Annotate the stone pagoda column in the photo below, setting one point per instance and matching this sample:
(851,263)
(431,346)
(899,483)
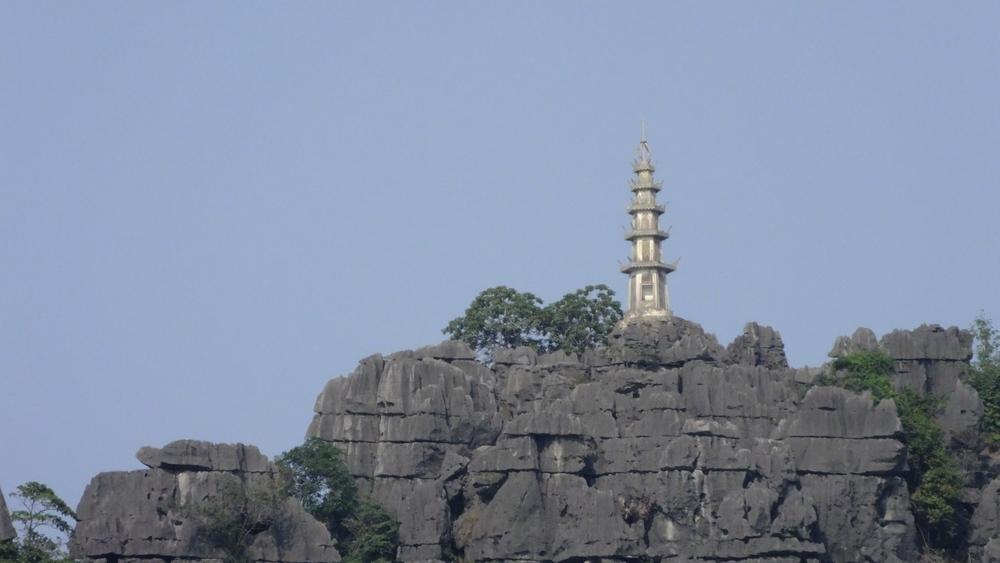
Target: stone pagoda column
(647,272)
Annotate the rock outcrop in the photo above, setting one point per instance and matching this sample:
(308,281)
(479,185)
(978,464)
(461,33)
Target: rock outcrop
(6,527)
(758,346)
(156,514)
(984,540)
(662,445)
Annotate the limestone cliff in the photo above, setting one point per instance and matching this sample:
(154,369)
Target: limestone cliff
(662,446)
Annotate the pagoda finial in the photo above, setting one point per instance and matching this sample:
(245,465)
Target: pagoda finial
(644,158)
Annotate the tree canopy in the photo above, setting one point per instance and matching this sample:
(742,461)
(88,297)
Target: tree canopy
(502,317)
(44,522)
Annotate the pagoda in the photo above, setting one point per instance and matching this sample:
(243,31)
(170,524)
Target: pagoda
(647,272)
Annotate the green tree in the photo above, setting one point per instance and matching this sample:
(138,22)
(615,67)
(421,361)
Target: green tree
(318,476)
(984,376)
(500,317)
(44,522)
(582,319)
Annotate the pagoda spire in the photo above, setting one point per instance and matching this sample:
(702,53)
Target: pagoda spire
(647,272)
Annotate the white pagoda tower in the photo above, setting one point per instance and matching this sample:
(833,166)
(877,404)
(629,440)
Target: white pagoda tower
(647,272)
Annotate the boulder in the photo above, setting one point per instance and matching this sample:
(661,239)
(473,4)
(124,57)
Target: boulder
(194,455)
(448,350)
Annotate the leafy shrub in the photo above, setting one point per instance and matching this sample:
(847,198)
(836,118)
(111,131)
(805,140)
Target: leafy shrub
(318,476)
(373,535)
(8,551)
(934,481)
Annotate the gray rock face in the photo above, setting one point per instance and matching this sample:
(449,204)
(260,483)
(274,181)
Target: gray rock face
(154,513)
(758,346)
(929,342)
(663,445)
(668,342)
(6,527)
(984,541)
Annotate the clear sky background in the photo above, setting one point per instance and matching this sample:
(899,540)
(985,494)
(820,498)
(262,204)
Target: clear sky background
(209,209)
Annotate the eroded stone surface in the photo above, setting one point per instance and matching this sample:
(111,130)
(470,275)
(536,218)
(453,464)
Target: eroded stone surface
(6,527)
(662,445)
(154,513)
(758,346)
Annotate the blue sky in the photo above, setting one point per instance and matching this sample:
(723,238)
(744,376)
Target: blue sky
(209,209)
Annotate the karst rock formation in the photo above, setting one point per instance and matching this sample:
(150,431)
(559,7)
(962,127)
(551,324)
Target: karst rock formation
(6,527)
(662,446)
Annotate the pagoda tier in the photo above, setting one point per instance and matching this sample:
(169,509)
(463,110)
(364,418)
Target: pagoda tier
(646,206)
(647,233)
(650,264)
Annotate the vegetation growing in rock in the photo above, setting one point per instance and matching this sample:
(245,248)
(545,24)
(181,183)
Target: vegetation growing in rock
(934,482)
(984,376)
(502,317)
(8,551)
(317,476)
(43,522)
(230,519)
(373,535)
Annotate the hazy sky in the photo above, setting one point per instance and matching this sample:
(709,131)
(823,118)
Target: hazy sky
(209,209)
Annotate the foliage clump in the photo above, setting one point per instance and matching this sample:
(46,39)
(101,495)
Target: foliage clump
(317,476)
(934,481)
(984,376)
(43,522)
(501,317)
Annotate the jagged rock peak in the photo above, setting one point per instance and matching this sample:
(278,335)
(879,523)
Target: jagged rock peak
(6,527)
(862,340)
(663,341)
(758,346)
(152,514)
(195,455)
